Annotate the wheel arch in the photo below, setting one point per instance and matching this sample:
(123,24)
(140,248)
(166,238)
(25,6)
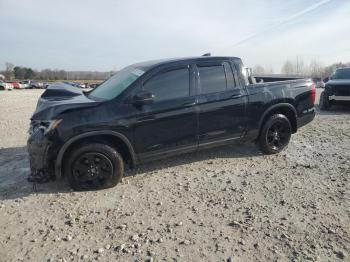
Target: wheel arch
(281,108)
(118,140)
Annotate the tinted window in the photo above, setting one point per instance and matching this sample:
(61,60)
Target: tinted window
(343,73)
(212,79)
(169,85)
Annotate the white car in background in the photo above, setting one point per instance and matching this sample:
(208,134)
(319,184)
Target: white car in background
(5,86)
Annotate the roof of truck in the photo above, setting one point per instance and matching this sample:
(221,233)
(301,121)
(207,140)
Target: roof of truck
(153,63)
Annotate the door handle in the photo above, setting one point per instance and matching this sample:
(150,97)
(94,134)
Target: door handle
(145,119)
(236,96)
(189,104)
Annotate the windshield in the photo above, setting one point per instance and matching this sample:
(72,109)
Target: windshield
(115,85)
(341,74)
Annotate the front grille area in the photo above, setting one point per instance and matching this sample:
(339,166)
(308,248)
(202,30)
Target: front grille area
(341,90)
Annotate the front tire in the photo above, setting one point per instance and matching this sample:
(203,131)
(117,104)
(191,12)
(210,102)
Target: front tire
(324,101)
(275,134)
(94,166)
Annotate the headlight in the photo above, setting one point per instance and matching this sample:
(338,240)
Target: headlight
(44,125)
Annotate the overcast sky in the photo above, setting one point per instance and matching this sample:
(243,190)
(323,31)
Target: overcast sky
(108,35)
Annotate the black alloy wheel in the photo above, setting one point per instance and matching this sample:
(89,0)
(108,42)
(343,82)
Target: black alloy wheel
(92,169)
(278,135)
(94,166)
(275,134)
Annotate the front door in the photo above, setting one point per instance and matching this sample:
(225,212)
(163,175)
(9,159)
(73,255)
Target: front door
(170,123)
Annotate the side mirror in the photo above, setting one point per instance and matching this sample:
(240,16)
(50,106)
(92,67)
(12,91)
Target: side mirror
(143,98)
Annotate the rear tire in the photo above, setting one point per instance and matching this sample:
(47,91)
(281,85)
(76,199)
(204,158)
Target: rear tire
(324,101)
(94,166)
(275,134)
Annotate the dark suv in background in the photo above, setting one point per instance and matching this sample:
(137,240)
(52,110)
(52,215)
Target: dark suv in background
(337,89)
(160,108)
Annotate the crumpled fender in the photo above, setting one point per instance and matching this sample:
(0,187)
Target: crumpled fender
(59,98)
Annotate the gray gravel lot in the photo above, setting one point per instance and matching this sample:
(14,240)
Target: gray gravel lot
(229,202)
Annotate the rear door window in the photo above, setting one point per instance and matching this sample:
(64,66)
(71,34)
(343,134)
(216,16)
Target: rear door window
(231,81)
(212,79)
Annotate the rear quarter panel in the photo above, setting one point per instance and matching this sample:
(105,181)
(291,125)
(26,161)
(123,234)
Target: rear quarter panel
(265,96)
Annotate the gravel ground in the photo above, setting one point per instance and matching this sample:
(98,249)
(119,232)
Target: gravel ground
(224,204)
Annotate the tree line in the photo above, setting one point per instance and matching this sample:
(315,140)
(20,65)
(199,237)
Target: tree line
(290,67)
(20,73)
(297,67)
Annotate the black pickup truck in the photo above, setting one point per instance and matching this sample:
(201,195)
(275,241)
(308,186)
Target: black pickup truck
(337,89)
(160,108)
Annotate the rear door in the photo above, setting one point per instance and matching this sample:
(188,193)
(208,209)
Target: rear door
(170,123)
(222,102)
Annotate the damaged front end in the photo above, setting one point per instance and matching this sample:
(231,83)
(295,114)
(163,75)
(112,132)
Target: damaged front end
(42,149)
(46,127)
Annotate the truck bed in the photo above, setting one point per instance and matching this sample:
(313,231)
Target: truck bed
(275,78)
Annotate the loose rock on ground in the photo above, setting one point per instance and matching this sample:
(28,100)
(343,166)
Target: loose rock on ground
(225,204)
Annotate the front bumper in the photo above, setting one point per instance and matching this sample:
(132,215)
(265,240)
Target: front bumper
(306,118)
(38,147)
(41,154)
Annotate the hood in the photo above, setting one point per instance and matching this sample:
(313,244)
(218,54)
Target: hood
(339,82)
(59,98)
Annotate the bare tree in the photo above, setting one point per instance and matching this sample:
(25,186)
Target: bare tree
(8,70)
(258,70)
(315,69)
(269,70)
(299,66)
(288,68)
